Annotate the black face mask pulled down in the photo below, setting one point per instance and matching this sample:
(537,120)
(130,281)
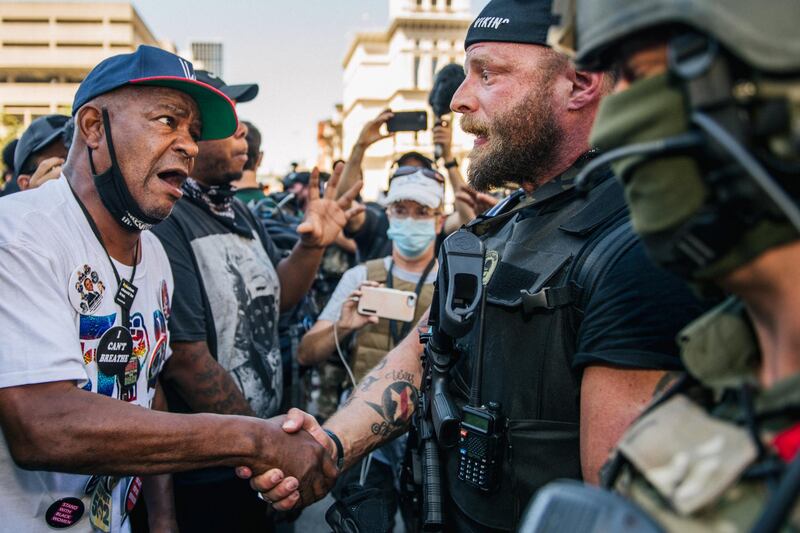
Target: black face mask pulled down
(114,191)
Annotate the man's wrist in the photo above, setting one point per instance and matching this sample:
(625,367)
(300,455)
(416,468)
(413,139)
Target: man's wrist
(263,437)
(342,331)
(450,162)
(310,246)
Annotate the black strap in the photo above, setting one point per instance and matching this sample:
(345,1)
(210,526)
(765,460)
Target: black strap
(603,254)
(126,290)
(781,502)
(339,448)
(550,297)
(417,290)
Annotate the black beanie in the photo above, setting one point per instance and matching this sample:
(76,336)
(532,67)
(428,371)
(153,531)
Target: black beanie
(512,21)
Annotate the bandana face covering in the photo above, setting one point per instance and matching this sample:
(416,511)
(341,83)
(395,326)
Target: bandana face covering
(685,224)
(218,202)
(114,192)
(217,199)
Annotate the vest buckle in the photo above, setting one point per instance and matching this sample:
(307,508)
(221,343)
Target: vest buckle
(550,298)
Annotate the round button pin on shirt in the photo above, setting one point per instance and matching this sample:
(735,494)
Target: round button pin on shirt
(64,513)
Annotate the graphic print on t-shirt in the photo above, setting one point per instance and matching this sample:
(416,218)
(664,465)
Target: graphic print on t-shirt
(243,293)
(150,341)
(47,245)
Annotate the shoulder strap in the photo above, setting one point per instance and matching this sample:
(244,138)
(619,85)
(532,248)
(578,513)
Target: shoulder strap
(600,222)
(376,270)
(498,214)
(601,254)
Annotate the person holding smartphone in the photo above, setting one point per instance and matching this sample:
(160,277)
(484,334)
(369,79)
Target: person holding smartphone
(415,218)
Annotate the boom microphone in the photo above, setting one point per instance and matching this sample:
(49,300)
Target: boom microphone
(445,86)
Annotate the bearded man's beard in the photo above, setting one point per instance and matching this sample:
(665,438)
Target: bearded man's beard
(520,143)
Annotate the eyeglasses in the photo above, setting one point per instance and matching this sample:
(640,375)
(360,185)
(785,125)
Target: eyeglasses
(408,170)
(402,211)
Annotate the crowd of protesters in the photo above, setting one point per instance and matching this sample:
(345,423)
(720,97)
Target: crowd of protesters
(250,282)
(184,350)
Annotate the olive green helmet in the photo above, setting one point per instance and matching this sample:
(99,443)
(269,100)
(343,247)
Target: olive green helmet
(763,34)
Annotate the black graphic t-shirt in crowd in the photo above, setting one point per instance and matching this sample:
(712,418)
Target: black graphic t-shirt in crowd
(227,293)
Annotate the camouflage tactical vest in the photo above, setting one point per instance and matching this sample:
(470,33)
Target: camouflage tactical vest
(375,340)
(691,460)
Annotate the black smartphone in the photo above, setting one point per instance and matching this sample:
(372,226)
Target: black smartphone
(408,121)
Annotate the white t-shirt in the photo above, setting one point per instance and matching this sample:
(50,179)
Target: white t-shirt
(56,300)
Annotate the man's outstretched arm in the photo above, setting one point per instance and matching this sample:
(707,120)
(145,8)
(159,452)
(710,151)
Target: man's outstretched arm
(324,219)
(379,410)
(382,403)
(123,439)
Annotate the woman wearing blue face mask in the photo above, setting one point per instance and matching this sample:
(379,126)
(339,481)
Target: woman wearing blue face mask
(415,219)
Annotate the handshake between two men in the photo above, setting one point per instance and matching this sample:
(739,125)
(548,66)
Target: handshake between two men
(301,464)
(380,409)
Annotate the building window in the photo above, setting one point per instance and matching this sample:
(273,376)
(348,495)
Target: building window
(416,72)
(25,20)
(433,3)
(434,62)
(448,3)
(79,21)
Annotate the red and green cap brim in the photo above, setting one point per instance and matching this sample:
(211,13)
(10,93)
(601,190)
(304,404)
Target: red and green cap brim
(217,111)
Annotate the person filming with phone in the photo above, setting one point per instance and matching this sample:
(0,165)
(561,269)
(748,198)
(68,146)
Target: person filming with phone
(363,318)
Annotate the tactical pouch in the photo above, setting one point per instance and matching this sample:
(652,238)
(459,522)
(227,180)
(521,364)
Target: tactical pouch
(361,510)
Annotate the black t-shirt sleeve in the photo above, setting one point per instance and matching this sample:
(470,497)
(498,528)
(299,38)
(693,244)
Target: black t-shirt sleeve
(187,321)
(634,315)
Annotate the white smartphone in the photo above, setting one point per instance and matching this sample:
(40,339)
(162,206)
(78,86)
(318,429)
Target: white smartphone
(392,304)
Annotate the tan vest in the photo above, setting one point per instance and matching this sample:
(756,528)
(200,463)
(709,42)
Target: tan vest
(375,340)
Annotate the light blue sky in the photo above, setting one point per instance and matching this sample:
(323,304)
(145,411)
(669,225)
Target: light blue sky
(292,48)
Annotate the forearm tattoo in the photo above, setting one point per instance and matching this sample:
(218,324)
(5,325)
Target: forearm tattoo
(214,391)
(398,402)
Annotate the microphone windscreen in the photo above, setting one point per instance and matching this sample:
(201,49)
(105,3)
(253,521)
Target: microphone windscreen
(444,87)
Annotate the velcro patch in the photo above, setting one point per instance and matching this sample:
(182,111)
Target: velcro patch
(689,457)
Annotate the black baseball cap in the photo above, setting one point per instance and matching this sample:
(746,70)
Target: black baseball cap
(237,93)
(42,131)
(8,155)
(427,162)
(303,177)
(512,21)
(151,66)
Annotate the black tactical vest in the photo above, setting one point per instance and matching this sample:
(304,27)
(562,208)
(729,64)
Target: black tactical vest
(538,256)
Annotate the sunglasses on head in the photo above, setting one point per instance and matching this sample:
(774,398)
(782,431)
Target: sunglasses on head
(408,170)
